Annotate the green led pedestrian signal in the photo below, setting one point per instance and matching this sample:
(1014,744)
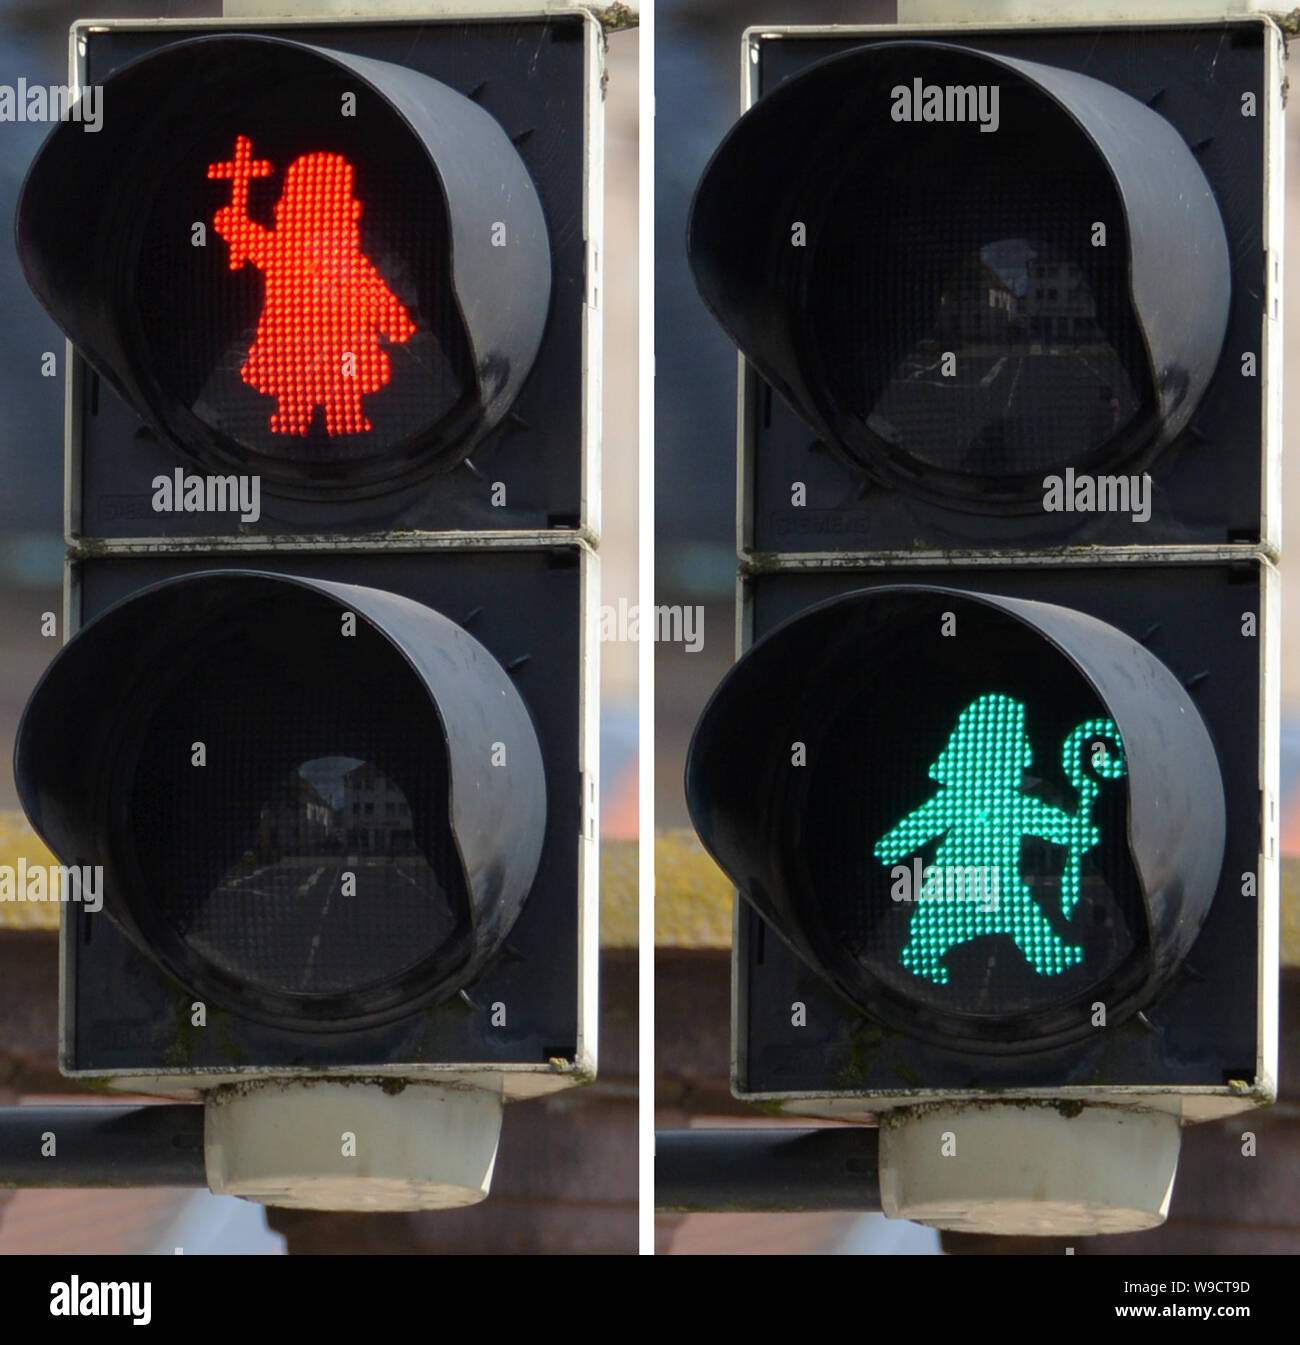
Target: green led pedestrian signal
(975,887)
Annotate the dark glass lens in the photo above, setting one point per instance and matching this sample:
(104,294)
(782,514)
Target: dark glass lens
(301,860)
(331,828)
(967,306)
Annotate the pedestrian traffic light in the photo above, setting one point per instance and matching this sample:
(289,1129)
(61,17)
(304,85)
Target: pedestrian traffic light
(1007,261)
(341,757)
(378,248)
(292,164)
(976,815)
(996,768)
(327,720)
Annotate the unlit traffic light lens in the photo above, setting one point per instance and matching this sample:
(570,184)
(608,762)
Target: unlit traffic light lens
(960,320)
(318,805)
(964,271)
(307,864)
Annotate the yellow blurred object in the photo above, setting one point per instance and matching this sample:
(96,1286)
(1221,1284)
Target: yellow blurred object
(693,897)
(1291,912)
(19,841)
(618,894)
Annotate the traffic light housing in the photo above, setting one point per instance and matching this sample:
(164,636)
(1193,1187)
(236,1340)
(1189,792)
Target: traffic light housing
(443,199)
(864,697)
(966,958)
(327,719)
(473,184)
(995,770)
(315,699)
(948,316)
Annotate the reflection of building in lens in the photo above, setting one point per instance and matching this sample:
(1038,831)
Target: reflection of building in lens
(376,815)
(976,308)
(1058,306)
(295,820)
(1008,371)
(1012,293)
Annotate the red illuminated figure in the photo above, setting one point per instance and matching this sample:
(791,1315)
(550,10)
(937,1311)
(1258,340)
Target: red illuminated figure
(317,341)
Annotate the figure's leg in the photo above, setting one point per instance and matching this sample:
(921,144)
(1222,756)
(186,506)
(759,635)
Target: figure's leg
(343,413)
(930,936)
(293,412)
(919,958)
(1044,949)
(270,369)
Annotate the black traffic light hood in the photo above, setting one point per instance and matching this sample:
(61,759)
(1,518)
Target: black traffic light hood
(747,811)
(81,737)
(779,164)
(81,202)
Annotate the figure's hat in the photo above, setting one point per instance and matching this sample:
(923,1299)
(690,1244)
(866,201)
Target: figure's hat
(317,193)
(989,743)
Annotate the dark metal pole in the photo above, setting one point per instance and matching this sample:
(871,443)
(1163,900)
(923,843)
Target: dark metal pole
(102,1146)
(767,1169)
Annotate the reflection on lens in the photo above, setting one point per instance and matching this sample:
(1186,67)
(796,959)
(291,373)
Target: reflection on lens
(288,814)
(1034,380)
(968,318)
(329,818)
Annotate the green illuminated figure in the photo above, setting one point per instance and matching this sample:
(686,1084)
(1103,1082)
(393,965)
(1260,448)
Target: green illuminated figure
(974,886)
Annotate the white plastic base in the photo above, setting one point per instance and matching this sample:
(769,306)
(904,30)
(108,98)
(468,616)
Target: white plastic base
(1028,1168)
(348,1145)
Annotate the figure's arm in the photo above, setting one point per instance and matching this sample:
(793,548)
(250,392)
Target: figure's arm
(918,827)
(391,318)
(395,322)
(247,239)
(1050,824)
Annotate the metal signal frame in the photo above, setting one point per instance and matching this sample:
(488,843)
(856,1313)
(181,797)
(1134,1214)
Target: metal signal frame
(513,1080)
(1190,1103)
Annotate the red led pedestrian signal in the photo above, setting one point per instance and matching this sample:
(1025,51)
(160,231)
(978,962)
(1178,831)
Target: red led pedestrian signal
(337,279)
(326,307)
